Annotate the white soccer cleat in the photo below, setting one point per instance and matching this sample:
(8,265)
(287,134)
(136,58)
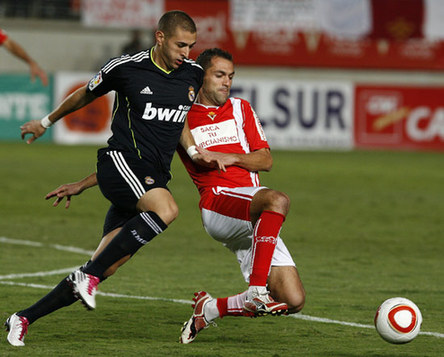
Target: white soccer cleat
(197,322)
(84,287)
(18,328)
(262,304)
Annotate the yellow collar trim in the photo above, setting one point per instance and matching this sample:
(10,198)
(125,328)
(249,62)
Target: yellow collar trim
(152,59)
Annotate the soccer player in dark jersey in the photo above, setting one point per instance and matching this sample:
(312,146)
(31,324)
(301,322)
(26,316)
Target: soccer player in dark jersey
(154,91)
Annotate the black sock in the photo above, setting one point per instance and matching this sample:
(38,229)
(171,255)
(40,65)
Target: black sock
(135,233)
(59,297)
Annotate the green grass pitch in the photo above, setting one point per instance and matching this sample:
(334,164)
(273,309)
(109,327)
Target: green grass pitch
(363,227)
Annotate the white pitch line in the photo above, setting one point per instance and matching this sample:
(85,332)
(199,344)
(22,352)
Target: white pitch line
(180,301)
(328,321)
(42,273)
(65,248)
(123,296)
(113,295)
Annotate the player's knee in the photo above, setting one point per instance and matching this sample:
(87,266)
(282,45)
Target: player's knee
(278,202)
(296,302)
(169,213)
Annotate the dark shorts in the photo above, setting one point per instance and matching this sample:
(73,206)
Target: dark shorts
(123,180)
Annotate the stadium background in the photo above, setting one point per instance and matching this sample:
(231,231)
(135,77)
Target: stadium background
(365,225)
(318,76)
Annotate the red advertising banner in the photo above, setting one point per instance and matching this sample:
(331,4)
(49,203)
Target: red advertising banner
(396,44)
(399,117)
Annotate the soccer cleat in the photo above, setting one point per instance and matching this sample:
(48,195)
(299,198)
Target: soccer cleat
(197,322)
(84,287)
(263,304)
(18,328)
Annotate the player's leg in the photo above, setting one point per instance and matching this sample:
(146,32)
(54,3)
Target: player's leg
(134,187)
(285,285)
(226,218)
(268,210)
(160,209)
(59,297)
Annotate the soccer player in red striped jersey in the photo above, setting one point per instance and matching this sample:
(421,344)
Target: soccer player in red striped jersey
(236,210)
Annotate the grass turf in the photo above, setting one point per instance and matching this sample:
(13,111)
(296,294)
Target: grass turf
(363,227)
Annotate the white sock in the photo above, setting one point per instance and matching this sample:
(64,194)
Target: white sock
(255,290)
(211,312)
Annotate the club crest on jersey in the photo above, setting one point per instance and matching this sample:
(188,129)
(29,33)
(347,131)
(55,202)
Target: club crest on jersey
(191,94)
(149,180)
(95,81)
(212,115)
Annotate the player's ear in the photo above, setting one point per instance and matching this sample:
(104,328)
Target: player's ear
(160,37)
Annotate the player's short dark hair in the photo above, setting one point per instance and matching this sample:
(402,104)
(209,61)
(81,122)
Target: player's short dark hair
(172,19)
(204,59)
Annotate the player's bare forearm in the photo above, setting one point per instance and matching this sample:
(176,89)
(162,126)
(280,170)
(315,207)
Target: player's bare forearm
(186,138)
(259,160)
(75,101)
(199,156)
(72,189)
(17,50)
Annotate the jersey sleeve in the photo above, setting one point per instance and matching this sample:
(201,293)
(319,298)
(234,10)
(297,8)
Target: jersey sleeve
(3,36)
(253,128)
(106,80)
(199,74)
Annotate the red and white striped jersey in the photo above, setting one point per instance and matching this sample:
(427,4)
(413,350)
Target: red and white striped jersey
(3,36)
(231,128)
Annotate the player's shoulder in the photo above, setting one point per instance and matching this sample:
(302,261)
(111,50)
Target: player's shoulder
(3,36)
(192,64)
(189,66)
(240,101)
(125,61)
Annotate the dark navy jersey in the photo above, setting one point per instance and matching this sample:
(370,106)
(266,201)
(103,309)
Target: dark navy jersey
(150,105)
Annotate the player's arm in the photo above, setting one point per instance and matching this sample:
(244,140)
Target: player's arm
(18,51)
(200,156)
(73,102)
(259,160)
(72,189)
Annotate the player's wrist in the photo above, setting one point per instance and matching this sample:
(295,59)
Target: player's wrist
(192,151)
(45,122)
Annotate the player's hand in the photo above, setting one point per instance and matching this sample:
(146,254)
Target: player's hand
(209,159)
(225,159)
(36,71)
(67,190)
(33,127)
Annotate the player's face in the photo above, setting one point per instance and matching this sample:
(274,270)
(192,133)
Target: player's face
(217,82)
(173,49)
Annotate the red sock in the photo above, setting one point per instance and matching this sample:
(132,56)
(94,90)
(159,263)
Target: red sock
(232,305)
(222,306)
(265,238)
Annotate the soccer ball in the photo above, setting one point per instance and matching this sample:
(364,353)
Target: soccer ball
(398,320)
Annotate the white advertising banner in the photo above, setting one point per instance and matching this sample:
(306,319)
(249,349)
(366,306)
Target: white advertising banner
(301,114)
(266,15)
(88,125)
(122,13)
(294,114)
